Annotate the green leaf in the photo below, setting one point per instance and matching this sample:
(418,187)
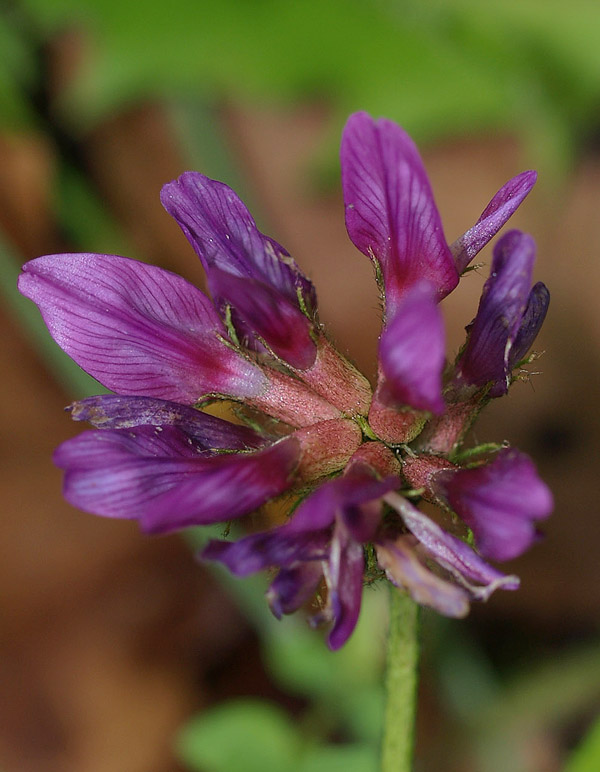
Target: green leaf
(244,734)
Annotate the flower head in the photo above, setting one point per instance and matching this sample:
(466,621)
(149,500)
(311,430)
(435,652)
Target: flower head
(307,424)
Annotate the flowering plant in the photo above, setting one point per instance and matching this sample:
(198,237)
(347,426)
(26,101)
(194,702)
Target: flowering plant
(352,461)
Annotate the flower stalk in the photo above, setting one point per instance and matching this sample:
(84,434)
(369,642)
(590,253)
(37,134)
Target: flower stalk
(401,684)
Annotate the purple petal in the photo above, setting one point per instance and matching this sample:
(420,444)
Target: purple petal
(499,502)
(165,481)
(486,357)
(224,235)
(451,553)
(93,449)
(362,487)
(345,496)
(293,587)
(278,547)
(391,215)
(500,209)
(531,323)
(317,511)
(110,411)
(268,314)
(344,577)
(405,570)
(362,521)
(412,352)
(137,328)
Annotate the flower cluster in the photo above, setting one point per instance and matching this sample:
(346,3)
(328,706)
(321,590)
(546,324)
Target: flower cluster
(354,462)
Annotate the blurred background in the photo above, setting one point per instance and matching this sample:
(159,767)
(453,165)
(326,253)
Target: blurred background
(119,653)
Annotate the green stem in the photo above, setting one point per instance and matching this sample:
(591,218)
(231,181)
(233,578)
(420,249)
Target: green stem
(401,683)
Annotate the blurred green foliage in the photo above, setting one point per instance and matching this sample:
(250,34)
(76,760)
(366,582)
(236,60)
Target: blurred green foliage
(263,738)
(498,713)
(437,67)
(257,731)
(587,756)
(343,693)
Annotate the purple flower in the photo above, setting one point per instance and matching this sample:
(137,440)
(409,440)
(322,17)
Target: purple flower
(271,300)
(499,501)
(168,473)
(408,377)
(464,565)
(391,217)
(324,541)
(497,212)
(307,423)
(509,317)
(324,538)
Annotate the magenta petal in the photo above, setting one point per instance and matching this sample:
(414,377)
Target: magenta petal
(412,352)
(110,411)
(293,587)
(344,577)
(502,206)
(391,215)
(268,314)
(500,502)
(492,334)
(94,449)
(278,547)
(405,570)
(348,497)
(137,328)
(361,490)
(531,323)
(362,521)
(224,235)
(451,553)
(166,482)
